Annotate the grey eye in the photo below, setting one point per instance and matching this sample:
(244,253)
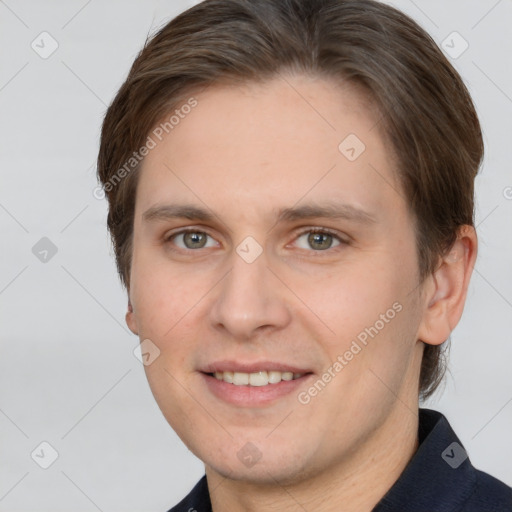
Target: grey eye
(192,240)
(317,240)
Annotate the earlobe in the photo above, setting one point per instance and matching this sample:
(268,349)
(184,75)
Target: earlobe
(130,319)
(447,289)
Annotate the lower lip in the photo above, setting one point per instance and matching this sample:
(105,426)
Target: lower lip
(252,396)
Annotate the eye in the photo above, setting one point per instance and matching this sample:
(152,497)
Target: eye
(318,239)
(190,239)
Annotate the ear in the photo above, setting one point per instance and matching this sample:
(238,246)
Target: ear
(446,289)
(130,319)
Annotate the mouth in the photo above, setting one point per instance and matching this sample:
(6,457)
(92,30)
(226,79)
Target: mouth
(258,379)
(253,384)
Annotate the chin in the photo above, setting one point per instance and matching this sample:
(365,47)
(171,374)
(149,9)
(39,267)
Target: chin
(267,466)
(261,473)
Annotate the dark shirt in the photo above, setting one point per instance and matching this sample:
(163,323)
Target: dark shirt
(439,478)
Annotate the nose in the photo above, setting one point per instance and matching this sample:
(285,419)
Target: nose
(250,300)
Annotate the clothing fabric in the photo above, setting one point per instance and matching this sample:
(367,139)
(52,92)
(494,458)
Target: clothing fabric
(439,478)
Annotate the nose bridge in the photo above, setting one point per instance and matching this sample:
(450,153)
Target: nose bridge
(250,296)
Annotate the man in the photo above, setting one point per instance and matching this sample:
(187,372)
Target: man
(290,189)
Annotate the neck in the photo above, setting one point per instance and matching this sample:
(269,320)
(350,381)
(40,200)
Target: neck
(358,482)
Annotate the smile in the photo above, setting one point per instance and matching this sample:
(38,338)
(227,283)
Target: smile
(261,378)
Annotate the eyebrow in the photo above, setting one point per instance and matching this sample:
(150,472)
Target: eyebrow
(307,211)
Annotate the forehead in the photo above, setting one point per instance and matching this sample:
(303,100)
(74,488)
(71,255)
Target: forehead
(270,143)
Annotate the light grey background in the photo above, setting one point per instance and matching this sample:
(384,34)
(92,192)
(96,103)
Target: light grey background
(68,375)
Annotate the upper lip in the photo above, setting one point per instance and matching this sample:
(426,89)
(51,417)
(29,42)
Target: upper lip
(253,367)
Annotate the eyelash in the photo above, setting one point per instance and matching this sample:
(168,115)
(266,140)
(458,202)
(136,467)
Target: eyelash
(325,231)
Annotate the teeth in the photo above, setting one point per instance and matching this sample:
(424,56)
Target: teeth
(257,378)
(240,379)
(274,377)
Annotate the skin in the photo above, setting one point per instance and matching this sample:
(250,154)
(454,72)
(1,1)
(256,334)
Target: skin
(244,153)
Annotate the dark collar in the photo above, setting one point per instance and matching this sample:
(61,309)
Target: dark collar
(439,477)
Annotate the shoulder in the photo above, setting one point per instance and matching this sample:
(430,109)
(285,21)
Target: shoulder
(441,477)
(198,500)
(489,494)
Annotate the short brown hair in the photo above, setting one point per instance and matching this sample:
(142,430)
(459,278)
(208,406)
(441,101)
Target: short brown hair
(426,111)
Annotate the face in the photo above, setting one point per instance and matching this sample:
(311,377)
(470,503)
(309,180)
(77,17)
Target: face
(269,246)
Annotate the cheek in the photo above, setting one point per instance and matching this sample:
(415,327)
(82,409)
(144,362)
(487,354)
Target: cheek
(163,294)
(352,299)
(371,319)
